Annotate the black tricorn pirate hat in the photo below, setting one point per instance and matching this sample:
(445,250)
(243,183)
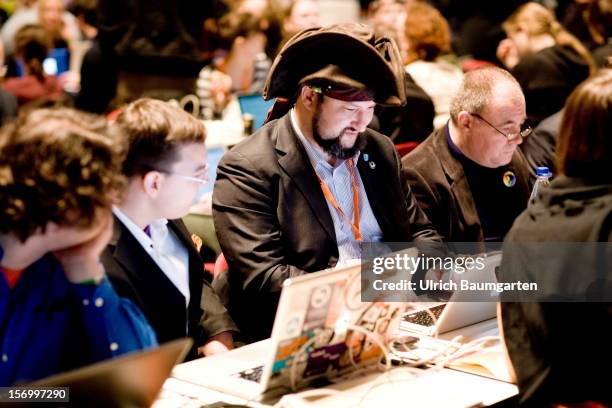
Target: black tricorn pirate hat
(347,55)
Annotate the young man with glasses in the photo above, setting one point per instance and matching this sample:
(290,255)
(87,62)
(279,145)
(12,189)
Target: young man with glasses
(151,257)
(469,176)
(59,175)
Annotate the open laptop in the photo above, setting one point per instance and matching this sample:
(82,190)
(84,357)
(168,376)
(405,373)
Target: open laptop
(311,339)
(56,63)
(256,106)
(133,380)
(461,310)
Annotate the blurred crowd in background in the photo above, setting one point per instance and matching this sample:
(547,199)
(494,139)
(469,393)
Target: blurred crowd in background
(96,55)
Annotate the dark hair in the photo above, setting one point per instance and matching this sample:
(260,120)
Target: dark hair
(585,145)
(86,9)
(155,129)
(57,165)
(32,44)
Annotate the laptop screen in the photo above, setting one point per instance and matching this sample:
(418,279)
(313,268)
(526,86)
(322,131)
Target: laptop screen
(56,63)
(256,106)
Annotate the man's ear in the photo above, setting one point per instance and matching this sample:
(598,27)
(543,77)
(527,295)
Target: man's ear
(309,98)
(465,120)
(152,183)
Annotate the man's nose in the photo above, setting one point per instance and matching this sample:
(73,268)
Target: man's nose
(362,120)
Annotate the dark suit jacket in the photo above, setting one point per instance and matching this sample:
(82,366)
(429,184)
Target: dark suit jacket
(273,222)
(443,192)
(541,146)
(135,275)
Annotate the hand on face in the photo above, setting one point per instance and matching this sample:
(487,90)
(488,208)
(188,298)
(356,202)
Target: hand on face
(81,260)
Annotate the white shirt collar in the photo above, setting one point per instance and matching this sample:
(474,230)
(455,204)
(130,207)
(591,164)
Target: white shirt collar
(136,231)
(166,250)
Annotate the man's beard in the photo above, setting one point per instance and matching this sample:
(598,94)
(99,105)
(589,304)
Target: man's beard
(333,146)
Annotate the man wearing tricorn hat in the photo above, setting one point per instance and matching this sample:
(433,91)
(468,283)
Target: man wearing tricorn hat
(304,192)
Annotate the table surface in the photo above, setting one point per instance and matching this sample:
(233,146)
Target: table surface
(431,387)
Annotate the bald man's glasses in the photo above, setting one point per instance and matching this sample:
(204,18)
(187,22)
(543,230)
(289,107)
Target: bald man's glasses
(523,133)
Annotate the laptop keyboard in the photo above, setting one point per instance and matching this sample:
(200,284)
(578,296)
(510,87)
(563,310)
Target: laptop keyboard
(423,318)
(251,374)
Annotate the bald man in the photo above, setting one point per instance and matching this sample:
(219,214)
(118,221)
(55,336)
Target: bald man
(469,177)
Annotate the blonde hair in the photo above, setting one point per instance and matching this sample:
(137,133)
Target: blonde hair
(538,20)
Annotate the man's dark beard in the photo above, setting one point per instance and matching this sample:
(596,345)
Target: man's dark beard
(333,147)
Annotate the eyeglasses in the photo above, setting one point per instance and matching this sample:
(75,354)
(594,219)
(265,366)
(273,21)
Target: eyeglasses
(524,132)
(203,179)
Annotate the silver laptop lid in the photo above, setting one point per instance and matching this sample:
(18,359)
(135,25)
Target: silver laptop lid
(323,329)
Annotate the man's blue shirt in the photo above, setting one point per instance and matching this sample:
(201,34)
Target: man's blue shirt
(49,325)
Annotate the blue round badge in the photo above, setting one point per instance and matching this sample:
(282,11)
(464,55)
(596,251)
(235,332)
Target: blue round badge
(509,179)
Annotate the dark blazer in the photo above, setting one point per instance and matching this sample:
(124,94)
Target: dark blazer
(273,222)
(443,192)
(135,275)
(541,146)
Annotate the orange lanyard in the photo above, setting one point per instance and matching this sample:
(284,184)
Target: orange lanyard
(332,201)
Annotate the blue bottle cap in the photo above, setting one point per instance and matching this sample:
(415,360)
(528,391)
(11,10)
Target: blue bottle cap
(542,171)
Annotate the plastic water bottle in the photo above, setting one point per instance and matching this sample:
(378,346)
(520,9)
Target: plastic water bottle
(542,180)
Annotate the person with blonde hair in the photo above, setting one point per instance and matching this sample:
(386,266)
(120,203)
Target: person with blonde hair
(545,58)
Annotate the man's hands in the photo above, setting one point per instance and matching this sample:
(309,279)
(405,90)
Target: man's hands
(217,344)
(220,87)
(81,261)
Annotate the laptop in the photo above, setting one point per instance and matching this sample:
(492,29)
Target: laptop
(461,310)
(312,337)
(56,63)
(133,380)
(256,106)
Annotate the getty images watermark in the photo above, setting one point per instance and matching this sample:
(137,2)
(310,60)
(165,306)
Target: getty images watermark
(475,272)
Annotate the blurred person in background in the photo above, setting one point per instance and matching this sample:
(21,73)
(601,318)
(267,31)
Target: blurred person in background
(32,45)
(388,16)
(60,24)
(546,59)
(591,22)
(428,39)
(300,15)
